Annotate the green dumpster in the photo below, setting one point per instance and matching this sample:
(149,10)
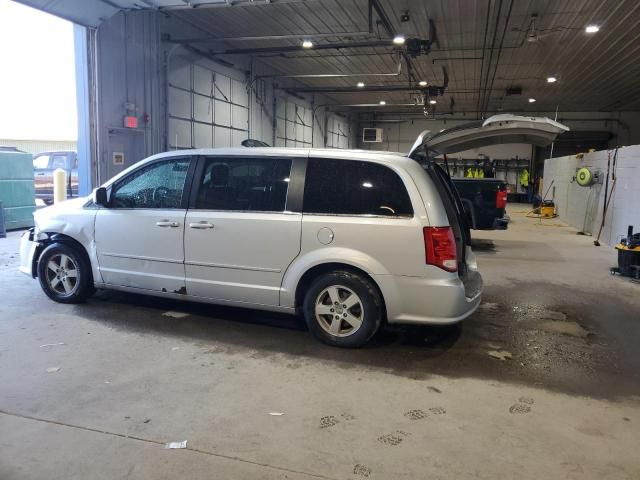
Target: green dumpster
(17,193)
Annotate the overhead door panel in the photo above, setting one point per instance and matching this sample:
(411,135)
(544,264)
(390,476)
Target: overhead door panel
(180,73)
(239,93)
(181,102)
(293,124)
(223,113)
(206,108)
(202,109)
(222,137)
(337,132)
(203,80)
(202,136)
(179,132)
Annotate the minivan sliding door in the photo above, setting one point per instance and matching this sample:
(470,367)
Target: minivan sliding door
(241,233)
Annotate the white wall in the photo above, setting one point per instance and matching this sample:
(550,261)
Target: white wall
(582,207)
(624,126)
(399,137)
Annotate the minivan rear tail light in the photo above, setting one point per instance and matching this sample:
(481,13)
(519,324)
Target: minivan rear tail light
(440,248)
(501,198)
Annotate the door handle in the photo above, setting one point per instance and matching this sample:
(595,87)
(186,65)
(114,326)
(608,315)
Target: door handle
(167,223)
(201,225)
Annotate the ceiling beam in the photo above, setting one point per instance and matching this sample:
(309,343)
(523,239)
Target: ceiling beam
(378,88)
(295,48)
(229,4)
(269,37)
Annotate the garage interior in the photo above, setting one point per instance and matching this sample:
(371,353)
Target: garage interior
(543,381)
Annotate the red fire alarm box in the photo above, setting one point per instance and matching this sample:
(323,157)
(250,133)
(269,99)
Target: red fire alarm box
(131,122)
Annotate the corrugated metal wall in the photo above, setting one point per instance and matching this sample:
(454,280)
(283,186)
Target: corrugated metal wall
(202,104)
(130,81)
(37,146)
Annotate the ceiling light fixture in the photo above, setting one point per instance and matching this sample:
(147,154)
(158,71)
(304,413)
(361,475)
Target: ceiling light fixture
(592,29)
(423,83)
(432,102)
(382,102)
(360,84)
(398,40)
(552,79)
(307,43)
(532,100)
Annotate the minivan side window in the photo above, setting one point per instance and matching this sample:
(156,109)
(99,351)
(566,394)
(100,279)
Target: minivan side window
(350,187)
(244,184)
(159,185)
(59,161)
(41,162)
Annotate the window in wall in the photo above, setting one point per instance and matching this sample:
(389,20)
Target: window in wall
(347,187)
(159,185)
(244,184)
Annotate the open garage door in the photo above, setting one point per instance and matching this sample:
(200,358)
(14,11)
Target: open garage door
(293,124)
(338,132)
(206,108)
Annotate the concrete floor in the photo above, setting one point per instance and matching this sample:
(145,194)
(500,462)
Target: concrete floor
(416,403)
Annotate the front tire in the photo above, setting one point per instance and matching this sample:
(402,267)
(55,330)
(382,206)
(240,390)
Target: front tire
(343,309)
(64,274)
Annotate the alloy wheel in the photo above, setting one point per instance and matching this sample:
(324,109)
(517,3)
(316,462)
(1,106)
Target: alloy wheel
(62,274)
(339,311)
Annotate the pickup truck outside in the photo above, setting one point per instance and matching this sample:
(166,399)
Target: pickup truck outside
(43,166)
(485,202)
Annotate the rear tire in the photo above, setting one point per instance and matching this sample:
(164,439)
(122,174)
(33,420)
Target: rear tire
(343,309)
(65,274)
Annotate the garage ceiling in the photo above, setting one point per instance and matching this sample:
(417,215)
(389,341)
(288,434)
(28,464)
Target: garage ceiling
(485,46)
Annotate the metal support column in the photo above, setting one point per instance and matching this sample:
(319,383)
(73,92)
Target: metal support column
(82,104)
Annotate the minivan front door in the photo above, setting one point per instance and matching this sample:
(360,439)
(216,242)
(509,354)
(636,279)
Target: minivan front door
(139,238)
(239,235)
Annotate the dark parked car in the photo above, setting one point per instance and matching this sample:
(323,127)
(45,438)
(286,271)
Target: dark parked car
(45,163)
(485,202)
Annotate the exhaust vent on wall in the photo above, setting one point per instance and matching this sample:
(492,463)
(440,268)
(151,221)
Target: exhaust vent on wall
(372,135)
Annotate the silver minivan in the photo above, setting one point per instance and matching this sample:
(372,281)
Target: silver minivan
(350,239)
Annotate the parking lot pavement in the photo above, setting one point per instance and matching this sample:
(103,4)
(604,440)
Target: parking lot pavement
(542,382)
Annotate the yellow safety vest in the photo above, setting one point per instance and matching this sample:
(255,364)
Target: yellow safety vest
(475,173)
(524,177)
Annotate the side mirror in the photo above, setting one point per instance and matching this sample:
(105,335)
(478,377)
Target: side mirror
(100,197)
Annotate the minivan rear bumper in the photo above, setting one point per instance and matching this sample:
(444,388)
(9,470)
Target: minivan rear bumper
(430,301)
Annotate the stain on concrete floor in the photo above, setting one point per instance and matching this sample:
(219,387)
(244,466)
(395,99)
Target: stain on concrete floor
(558,339)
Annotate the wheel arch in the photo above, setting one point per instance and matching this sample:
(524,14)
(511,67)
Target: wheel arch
(320,269)
(59,238)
